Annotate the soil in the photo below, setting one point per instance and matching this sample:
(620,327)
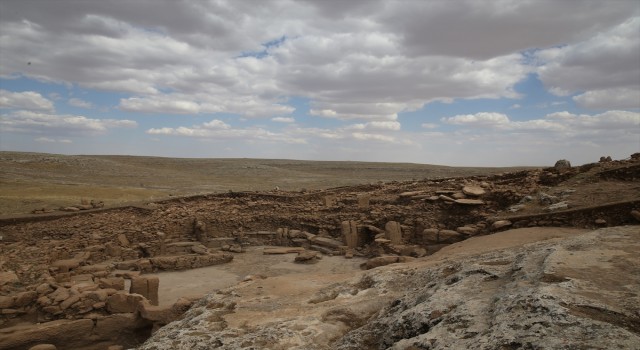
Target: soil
(31,181)
(62,269)
(250,265)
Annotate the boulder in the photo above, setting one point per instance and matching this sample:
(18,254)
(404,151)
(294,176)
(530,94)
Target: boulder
(69,301)
(446,198)
(467,230)
(7,302)
(282,250)
(562,164)
(636,215)
(465,201)
(557,206)
(307,256)
(25,298)
(8,277)
(43,347)
(458,195)
(111,282)
(475,191)
(123,302)
(163,314)
(66,265)
(500,224)
(384,260)
(327,242)
(72,333)
(449,236)
(199,249)
(430,235)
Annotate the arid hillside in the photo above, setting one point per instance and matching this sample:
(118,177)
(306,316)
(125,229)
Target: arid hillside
(465,266)
(31,181)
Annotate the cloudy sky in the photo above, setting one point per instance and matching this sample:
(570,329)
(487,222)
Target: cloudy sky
(504,82)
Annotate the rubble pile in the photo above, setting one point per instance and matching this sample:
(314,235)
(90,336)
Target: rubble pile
(85,270)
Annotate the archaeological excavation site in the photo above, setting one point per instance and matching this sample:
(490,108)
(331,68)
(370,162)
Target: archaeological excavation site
(541,258)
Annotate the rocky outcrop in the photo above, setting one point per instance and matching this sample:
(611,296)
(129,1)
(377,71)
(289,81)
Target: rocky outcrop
(491,292)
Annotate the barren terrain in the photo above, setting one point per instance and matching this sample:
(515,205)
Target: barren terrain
(491,260)
(33,180)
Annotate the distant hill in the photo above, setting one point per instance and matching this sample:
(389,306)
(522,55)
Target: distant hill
(35,180)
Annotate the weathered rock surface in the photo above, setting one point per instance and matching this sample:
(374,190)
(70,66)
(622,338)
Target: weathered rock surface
(490,292)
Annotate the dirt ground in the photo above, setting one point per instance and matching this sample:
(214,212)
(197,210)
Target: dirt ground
(252,264)
(31,181)
(61,267)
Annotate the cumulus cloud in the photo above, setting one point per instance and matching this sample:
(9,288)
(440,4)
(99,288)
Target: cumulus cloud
(159,105)
(621,98)
(216,130)
(478,119)
(283,120)
(603,67)
(429,125)
(368,63)
(51,124)
(50,140)
(570,124)
(361,63)
(76,102)
(376,137)
(29,100)
(376,125)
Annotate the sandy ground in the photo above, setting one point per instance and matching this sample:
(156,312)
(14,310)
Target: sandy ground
(292,277)
(196,282)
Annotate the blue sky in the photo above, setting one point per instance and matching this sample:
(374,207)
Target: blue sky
(455,83)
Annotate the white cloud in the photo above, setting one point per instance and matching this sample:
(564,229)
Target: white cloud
(479,119)
(375,125)
(565,124)
(29,100)
(283,120)
(50,140)
(375,137)
(621,98)
(360,63)
(216,124)
(159,105)
(76,102)
(369,63)
(216,130)
(50,124)
(429,125)
(603,67)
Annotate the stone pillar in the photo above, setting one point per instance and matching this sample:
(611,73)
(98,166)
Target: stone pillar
(363,200)
(147,287)
(393,232)
(139,286)
(330,200)
(200,231)
(163,245)
(153,284)
(350,234)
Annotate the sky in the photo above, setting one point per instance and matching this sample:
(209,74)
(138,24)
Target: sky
(463,83)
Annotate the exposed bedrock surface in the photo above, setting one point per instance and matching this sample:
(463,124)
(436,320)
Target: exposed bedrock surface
(525,288)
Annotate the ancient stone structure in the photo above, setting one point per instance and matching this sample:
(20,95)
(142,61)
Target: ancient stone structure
(200,231)
(364,200)
(350,234)
(393,232)
(82,276)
